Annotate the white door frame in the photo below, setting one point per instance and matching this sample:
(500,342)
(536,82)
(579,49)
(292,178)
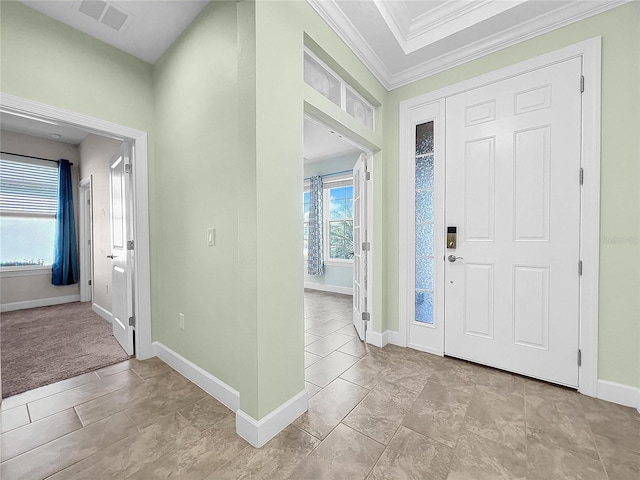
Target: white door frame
(85,216)
(590,51)
(373,338)
(142,277)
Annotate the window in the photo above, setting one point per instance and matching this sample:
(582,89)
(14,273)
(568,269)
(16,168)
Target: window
(28,204)
(325,81)
(306,200)
(338,235)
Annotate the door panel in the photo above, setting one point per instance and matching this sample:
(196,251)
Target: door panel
(359,236)
(121,265)
(512,189)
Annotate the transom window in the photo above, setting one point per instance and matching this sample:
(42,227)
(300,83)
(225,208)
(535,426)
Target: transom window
(28,204)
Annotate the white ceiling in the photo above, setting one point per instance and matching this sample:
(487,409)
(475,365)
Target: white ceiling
(151,27)
(402,41)
(41,128)
(321,143)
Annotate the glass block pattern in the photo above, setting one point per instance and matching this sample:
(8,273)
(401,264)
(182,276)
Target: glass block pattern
(424,223)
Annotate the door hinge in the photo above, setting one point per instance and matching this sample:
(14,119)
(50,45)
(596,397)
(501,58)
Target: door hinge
(127,168)
(88,202)
(366,246)
(580,267)
(89,282)
(129,244)
(582,84)
(88,242)
(368,176)
(366,316)
(579,358)
(132,321)
(581,176)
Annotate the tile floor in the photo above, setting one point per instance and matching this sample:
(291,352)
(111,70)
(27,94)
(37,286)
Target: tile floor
(388,413)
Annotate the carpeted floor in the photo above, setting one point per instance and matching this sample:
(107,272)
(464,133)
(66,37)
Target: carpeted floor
(48,344)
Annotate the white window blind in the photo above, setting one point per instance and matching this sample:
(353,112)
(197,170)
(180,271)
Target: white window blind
(28,189)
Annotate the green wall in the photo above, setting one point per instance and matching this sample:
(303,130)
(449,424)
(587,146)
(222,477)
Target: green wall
(619,329)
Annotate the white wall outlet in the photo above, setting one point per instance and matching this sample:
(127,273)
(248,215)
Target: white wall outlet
(181,321)
(211,237)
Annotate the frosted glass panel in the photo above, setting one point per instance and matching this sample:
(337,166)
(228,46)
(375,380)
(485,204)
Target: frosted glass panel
(424,307)
(424,240)
(424,273)
(424,171)
(424,217)
(424,206)
(318,78)
(359,109)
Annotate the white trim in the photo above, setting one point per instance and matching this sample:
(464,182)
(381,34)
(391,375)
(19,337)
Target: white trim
(40,302)
(142,291)
(103,312)
(259,432)
(8,272)
(620,394)
(209,383)
(85,253)
(329,288)
(377,339)
(590,51)
(333,15)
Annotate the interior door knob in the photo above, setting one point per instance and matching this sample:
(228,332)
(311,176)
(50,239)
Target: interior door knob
(112,256)
(453,258)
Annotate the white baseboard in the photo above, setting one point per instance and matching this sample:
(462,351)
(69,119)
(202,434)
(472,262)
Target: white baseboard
(210,384)
(40,302)
(620,394)
(329,288)
(103,312)
(393,338)
(259,432)
(377,339)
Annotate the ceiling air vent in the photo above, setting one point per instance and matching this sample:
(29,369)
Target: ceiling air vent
(106,13)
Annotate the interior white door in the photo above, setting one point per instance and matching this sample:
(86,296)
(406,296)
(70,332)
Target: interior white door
(359,236)
(513,192)
(121,264)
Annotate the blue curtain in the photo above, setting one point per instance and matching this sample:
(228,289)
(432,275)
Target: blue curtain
(315,262)
(65,261)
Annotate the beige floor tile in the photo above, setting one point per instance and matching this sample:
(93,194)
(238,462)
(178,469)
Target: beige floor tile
(310,359)
(619,424)
(213,449)
(367,372)
(38,433)
(205,413)
(311,389)
(381,412)
(455,372)
(344,454)
(497,415)
(409,375)
(412,456)
(546,462)
(47,390)
(84,393)
(275,460)
(133,453)
(620,463)
(14,418)
(325,328)
(309,338)
(54,456)
(115,368)
(439,411)
(348,330)
(506,382)
(547,401)
(106,405)
(328,344)
(478,458)
(329,406)
(329,368)
(354,347)
(150,367)
(146,411)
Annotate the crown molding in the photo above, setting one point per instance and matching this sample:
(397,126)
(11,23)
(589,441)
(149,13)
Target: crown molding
(342,26)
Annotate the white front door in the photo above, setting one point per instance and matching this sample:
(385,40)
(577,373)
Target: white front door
(513,193)
(121,264)
(359,237)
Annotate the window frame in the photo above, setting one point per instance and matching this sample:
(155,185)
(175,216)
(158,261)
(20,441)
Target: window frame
(334,182)
(27,270)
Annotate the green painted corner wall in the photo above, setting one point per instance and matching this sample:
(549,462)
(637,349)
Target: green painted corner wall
(619,327)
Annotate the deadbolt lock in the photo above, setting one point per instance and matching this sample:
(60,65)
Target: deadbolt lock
(452,237)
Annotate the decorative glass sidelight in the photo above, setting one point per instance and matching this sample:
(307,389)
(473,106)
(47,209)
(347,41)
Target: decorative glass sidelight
(424,223)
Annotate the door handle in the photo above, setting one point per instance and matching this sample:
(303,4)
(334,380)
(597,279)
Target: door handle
(453,258)
(112,256)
